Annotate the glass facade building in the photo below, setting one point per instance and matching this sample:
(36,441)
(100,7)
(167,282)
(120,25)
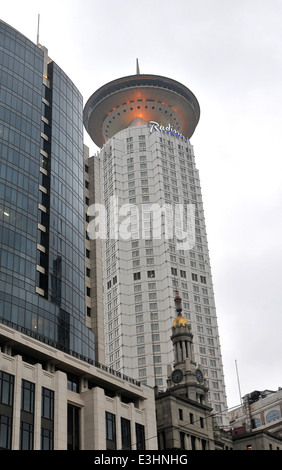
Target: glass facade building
(41,198)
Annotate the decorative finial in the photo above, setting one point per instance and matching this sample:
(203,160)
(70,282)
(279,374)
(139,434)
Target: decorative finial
(179,320)
(178,304)
(137,67)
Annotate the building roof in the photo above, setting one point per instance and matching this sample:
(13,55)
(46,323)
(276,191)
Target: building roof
(115,105)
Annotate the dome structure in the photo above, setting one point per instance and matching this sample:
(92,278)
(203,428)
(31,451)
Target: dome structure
(180,321)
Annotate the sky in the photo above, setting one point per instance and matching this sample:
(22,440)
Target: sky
(228,53)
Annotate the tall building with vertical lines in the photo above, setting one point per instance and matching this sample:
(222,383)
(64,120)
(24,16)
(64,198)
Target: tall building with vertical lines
(152,228)
(54,395)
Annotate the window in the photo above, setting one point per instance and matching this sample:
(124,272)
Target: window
(153,305)
(152,295)
(28,391)
(47,403)
(136,276)
(6,388)
(256,423)
(110,431)
(27,415)
(272,416)
(140,436)
(47,439)
(73,383)
(182,440)
(5,432)
(125,434)
(142,372)
(26,436)
(6,413)
(73,427)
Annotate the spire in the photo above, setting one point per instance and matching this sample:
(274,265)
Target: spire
(179,320)
(177,301)
(137,67)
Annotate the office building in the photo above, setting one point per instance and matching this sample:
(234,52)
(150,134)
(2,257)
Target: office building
(41,200)
(151,225)
(50,400)
(54,394)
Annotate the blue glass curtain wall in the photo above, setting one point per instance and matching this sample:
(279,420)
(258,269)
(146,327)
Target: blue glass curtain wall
(41,199)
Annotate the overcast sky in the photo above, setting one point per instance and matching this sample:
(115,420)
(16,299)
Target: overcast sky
(228,52)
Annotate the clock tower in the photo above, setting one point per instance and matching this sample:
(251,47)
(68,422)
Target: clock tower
(186,377)
(184,414)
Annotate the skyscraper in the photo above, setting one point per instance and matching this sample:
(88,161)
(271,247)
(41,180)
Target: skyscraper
(54,395)
(41,198)
(152,227)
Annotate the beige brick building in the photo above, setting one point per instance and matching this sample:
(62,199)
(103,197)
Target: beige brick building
(51,400)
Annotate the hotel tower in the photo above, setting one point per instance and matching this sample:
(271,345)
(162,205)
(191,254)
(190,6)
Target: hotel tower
(151,228)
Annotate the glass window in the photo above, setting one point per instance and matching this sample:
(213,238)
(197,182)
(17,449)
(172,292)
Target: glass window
(26,436)
(6,388)
(110,431)
(47,439)
(73,427)
(47,403)
(28,391)
(256,423)
(5,432)
(272,416)
(125,434)
(140,437)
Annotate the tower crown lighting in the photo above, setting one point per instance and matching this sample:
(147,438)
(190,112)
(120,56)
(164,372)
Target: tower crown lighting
(114,106)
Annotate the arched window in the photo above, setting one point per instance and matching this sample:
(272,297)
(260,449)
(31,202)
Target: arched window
(272,416)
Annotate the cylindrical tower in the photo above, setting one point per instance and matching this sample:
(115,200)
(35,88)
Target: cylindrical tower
(154,238)
(41,198)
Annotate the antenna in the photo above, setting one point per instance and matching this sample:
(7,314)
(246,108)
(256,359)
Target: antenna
(38,24)
(238,382)
(137,67)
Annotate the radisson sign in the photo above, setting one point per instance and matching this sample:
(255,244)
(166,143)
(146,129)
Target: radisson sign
(167,129)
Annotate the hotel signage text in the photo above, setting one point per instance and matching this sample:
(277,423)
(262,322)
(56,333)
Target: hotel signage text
(167,129)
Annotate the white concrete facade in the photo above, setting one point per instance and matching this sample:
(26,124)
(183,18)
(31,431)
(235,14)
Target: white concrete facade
(140,166)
